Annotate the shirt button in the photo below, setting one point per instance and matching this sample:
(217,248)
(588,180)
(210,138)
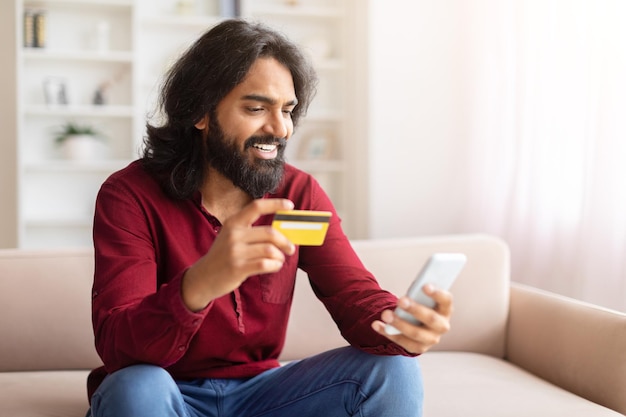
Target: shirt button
(181,348)
(196,322)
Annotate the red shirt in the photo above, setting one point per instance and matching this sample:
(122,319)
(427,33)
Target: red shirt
(144,241)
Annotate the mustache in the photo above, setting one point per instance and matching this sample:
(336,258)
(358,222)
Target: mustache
(265,140)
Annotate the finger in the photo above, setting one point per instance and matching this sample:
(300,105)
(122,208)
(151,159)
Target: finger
(258,208)
(244,260)
(421,342)
(443,299)
(405,327)
(266,234)
(265,251)
(257,250)
(260,266)
(429,318)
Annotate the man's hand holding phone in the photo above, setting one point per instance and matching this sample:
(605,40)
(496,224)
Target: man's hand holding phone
(434,322)
(423,315)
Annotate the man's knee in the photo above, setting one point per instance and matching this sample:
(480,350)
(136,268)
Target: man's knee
(135,389)
(391,385)
(139,379)
(397,376)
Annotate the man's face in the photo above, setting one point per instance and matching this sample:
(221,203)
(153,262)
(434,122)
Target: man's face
(248,134)
(255,176)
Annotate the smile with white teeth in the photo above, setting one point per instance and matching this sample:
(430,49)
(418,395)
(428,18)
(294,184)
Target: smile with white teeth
(265,147)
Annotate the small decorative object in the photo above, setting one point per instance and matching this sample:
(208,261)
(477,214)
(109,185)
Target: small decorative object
(79,142)
(101,95)
(29,28)
(230,8)
(55,91)
(39,26)
(316,146)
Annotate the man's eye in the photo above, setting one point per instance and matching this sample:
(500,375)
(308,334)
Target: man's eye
(255,109)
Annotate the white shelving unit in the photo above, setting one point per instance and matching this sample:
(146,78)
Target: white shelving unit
(56,196)
(142,39)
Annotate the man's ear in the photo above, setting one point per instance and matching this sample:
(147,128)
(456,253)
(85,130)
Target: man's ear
(203,123)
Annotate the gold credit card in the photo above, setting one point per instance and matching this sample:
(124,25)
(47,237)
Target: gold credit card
(302,227)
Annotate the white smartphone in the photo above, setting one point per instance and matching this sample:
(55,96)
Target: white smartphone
(441,271)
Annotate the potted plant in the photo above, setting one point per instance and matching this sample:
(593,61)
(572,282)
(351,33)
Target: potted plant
(79,142)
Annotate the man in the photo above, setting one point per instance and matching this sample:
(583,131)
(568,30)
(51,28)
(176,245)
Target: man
(193,287)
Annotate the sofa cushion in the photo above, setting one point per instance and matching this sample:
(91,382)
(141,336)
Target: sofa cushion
(48,324)
(475,385)
(43,394)
(481,293)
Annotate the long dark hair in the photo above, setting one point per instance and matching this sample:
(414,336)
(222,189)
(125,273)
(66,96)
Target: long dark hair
(215,64)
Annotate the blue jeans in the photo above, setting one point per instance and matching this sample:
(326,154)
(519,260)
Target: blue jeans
(338,383)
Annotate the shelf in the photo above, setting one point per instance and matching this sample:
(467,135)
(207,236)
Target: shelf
(89,3)
(323,116)
(319,165)
(76,167)
(104,166)
(78,55)
(299,12)
(80,111)
(174,21)
(329,64)
(59,223)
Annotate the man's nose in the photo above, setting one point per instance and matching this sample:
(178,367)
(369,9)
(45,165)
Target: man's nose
(278,125)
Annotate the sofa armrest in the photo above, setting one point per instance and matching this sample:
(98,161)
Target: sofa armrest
(577,346)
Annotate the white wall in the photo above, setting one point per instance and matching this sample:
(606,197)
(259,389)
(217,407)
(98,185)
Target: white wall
(416,117)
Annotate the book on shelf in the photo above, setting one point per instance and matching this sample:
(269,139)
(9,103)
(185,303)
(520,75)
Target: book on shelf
(34,28)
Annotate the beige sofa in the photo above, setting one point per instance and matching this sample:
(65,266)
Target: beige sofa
(512,350)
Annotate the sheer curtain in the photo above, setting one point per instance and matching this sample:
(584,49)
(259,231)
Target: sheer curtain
(547,140)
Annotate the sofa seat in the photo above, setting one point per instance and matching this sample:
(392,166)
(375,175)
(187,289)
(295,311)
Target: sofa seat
(475,385)
(456,384)
(43,394)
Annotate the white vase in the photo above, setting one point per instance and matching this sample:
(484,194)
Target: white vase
(82,148)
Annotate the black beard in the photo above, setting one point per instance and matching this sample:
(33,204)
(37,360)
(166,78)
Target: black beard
(255,178)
